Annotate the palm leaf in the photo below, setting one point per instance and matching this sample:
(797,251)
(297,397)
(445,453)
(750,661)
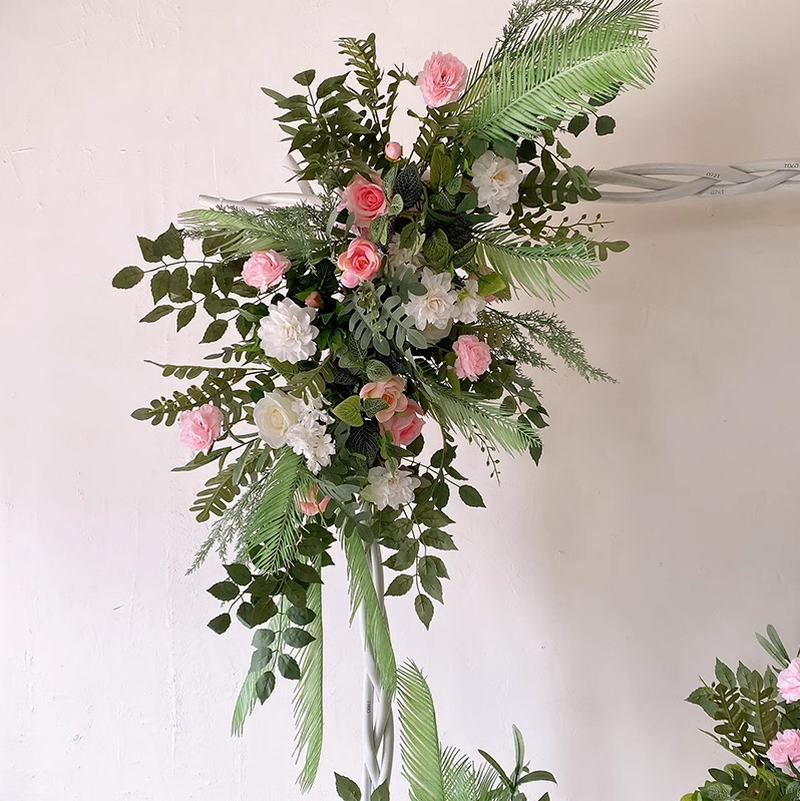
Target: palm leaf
(362,593)
(479,419)
(275,522)
(308,712)
(458,776)
(563,65)
(419,737)
(531,267)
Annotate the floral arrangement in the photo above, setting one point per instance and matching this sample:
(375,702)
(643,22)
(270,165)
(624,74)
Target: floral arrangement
(370,323)
(757,719)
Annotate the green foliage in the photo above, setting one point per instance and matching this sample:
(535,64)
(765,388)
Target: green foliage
(419,736)
(364,598)
(563,65)
(308,696)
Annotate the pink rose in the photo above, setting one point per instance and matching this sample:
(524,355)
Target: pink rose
(365,199)
(405,426)
(785,748)
(314,300)
(359,263)
(200,427)
(390,391)
(264,268)
(393,150)
(789,682)
(442,79)
(473,357)
(310,506)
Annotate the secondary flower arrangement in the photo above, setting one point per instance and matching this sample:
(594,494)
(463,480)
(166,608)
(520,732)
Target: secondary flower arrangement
(369,321)
(758,721)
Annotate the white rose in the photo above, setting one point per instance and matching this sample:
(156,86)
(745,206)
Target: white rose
(390,487)
(274,416)
(435,307)
(287,334)
(497,180)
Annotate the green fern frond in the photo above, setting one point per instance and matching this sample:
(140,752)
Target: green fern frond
(563,65)
(308,710)
(478,419)
(534,268)
(297,231)
(458,776)
(274,523)
(419,737)
(362,593)
(545,329)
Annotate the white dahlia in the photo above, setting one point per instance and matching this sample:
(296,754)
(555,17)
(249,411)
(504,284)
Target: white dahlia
(435,307)
(497,180)
(286,332)
(390,487)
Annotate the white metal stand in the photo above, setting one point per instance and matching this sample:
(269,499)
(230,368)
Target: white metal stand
(782,175)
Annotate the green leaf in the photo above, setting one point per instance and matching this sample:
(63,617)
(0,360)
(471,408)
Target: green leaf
(441,167)
(470,496)
(347,788)
(436,538)
(224,590)
(308,695)
(578,124)
(377,371)
(400,585)
(419,736)
(396,206)
(362,592)
(170,243)
(288,667)
(127,277)
(424,609)
(263,611)
(186,315)
(381,793)
(605,125)
(220,624)
(215,331)
(349,411)
(305,573)
(157,314)
(374,405)
(239,573)
(300,617)
(297,638)
(725,675)
(265,685)
(263,638)
(159,285)
(378,229)
(305,78)
(149,251)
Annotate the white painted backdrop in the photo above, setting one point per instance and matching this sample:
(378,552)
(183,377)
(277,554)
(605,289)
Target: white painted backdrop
(661,529)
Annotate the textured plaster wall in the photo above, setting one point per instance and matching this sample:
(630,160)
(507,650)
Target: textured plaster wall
(661,529)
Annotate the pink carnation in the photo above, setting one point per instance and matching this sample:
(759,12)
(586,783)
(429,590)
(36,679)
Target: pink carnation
(365,199)
(309,505)
(785,748)
(390,391)
(265,268)
(789,682)
(442,79)
(359,262)
(473,357)
(405,426)
(200,427)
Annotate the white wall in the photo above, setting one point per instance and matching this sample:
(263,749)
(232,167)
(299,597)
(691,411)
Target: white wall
(660,531)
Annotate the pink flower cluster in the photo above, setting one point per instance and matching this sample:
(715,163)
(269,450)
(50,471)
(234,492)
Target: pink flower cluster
(442,80)
(200,427)
(265,268)
(473,357)
(789,682)
(785,748)
(403,417)
(364,198)
(359,262)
